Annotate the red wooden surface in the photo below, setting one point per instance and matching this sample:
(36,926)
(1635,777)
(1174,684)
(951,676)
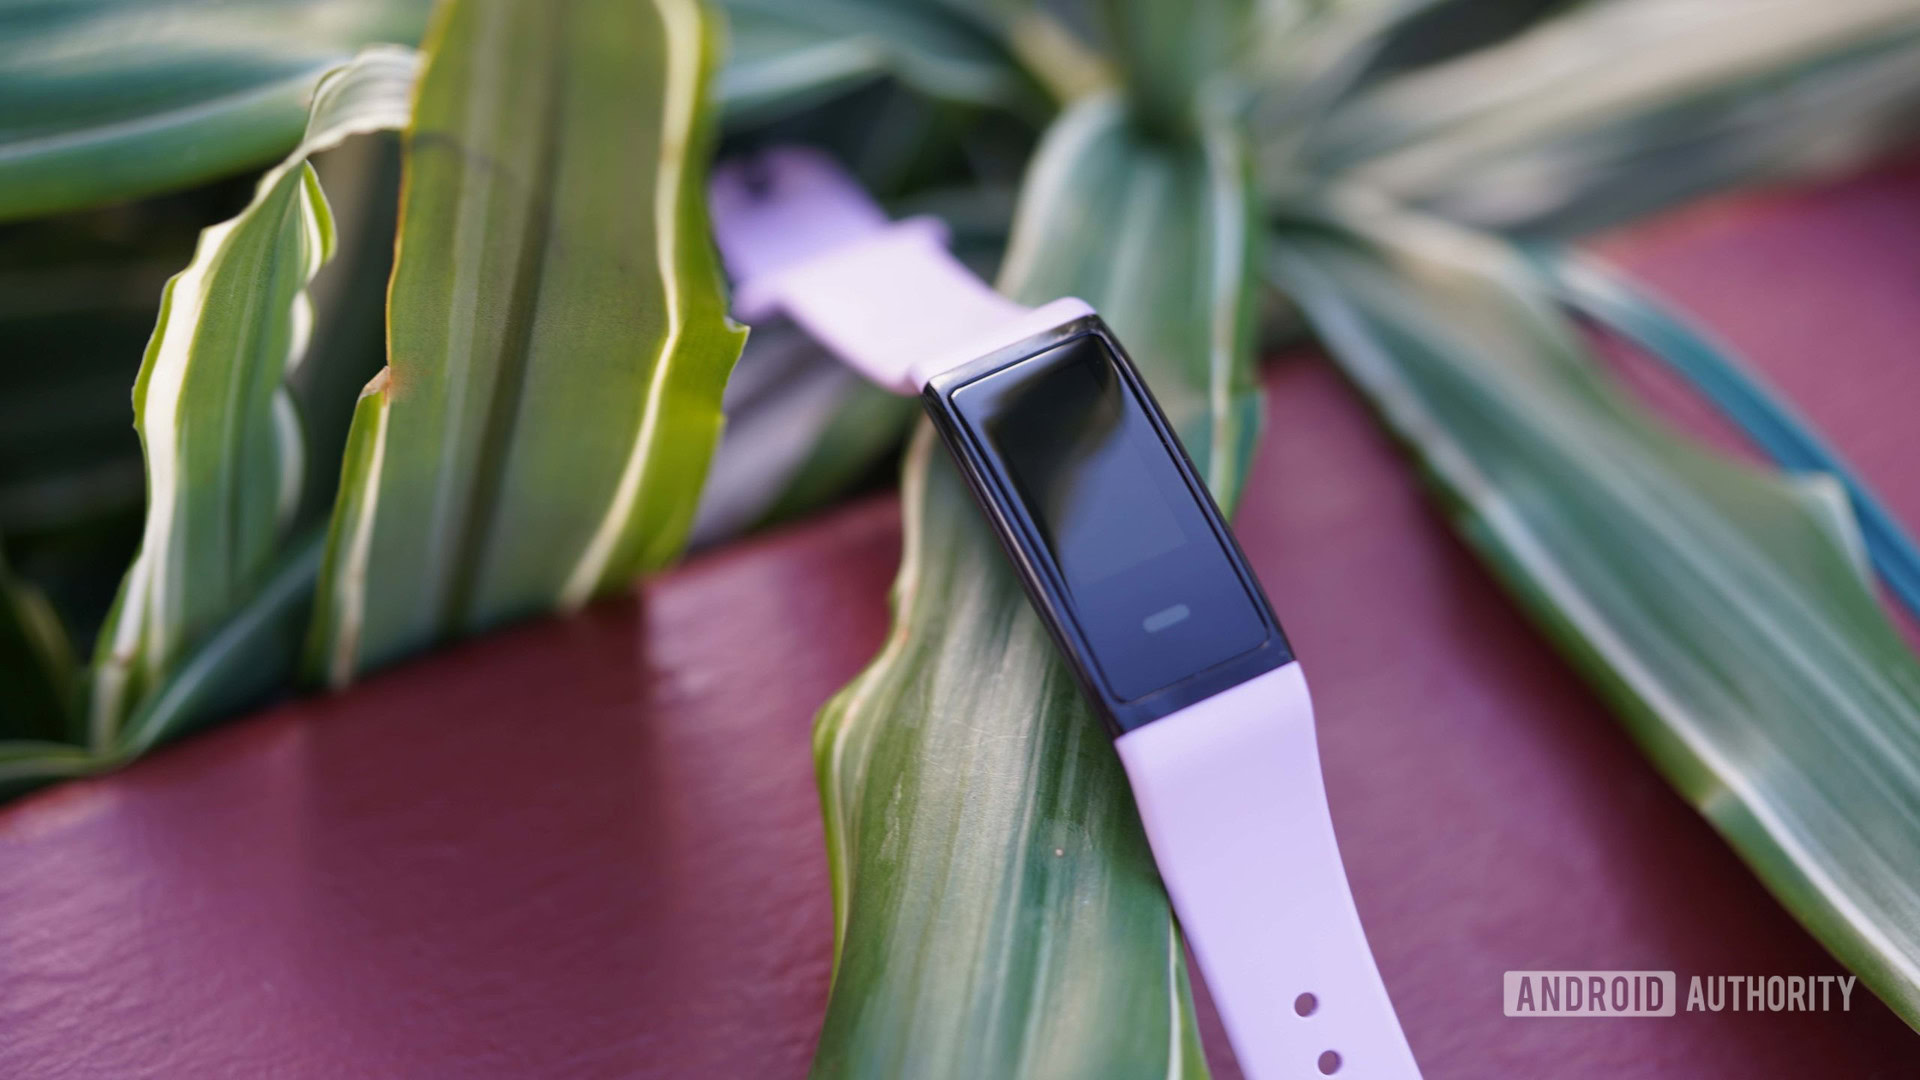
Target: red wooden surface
(592,848)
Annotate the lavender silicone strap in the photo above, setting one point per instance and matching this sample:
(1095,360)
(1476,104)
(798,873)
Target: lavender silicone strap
(1230,793)
(800,236)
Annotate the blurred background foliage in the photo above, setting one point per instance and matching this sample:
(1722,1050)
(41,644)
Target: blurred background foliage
(1390,177)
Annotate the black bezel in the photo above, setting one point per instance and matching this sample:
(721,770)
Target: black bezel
(1020,534)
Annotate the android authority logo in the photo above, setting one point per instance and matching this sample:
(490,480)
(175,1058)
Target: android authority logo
(1653,993)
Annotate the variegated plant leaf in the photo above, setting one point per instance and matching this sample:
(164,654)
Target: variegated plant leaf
(1175,59)
(786,56)
(557,332)
(1722,609)
(1596,292)
(253,654)
(987,864)
(110,99)
(224,451)
(1305,56)
(1552,131)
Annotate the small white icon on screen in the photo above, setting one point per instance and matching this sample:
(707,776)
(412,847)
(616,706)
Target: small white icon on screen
(1164,618)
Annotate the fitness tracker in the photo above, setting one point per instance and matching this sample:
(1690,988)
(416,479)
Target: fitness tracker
(1134,571)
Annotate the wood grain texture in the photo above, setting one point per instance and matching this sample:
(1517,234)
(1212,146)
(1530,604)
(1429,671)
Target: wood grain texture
(455,870)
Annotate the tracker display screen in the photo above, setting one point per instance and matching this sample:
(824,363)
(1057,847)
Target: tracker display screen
(1151,587)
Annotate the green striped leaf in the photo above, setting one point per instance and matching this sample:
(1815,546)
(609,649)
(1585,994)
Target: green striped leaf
(1307,57)
(252,655)
(557,331)
(1723,610)
(334,645)
(787,55)
(1548,132)
(1592,290)
(1174,57)
(997,913)
(111,99)
(224,451)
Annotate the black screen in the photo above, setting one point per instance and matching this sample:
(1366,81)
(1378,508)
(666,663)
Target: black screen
(1151,587)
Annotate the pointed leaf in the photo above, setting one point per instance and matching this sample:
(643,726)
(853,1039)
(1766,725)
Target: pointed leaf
(787,56)
(557,337)
(246,661)
(1550,133)
(111,99)
(1720,614)
(1775,427)
(1174,57)
(224,451)
(997,909)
